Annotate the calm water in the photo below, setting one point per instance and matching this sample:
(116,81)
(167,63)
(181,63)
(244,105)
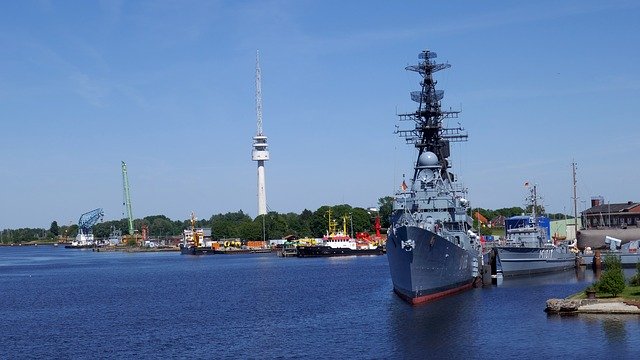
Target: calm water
(62,303)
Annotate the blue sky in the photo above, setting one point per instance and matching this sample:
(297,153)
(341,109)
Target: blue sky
(168,87)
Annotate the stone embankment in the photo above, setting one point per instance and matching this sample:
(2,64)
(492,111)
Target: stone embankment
(590,306)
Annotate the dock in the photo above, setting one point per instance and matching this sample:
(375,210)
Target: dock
(288,252)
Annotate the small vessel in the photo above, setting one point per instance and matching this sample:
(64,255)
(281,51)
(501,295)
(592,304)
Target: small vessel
(337,243)
(527,248)
(431,247)
(191,241)
(628,253)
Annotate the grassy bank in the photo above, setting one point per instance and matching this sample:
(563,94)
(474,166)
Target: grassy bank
(629,294)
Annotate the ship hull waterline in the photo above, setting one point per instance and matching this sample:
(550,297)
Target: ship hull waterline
(432,269)
(327,251)
(191,250)
(523,261)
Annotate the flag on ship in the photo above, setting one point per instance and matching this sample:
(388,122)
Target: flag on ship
(404,186)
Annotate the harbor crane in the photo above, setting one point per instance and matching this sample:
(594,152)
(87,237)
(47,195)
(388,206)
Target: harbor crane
(127,198)
(86,221)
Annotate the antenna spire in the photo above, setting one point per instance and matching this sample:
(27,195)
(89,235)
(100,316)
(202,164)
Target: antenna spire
(258,93)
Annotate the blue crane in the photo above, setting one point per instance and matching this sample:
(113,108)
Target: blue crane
(88,219)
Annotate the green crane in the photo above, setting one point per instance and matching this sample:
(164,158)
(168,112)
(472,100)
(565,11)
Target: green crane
(127,197)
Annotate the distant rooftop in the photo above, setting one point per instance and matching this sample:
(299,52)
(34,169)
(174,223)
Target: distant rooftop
(612,208)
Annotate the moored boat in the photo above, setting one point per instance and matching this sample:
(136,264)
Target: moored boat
(431,247)
(337,243)
(191,241)
(527,248)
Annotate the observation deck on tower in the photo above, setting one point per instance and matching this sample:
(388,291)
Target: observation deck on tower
(260,151)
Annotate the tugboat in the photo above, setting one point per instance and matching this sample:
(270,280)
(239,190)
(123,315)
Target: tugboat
(337,243)
(527,249)
(431,247)
(193,247)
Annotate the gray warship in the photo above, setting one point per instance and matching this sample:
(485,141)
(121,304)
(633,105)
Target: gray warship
(431,247)
(527,249)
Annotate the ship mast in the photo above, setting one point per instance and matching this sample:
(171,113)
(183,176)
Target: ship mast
(429,134)
(194,235)
(575,201)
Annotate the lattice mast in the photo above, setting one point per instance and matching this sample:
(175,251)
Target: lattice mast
(127,197)
(258,95)
(260,152)
(429,133)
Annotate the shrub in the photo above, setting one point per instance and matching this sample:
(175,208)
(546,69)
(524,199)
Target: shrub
(612,280)
(635,280)
(612,262)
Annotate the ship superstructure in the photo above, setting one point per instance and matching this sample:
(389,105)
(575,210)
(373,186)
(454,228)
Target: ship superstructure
(431,248)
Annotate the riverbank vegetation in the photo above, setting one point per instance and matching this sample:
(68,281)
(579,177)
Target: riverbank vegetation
(612,283)
(240,225)
(237,224)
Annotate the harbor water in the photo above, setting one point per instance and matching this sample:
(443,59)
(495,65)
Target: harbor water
(61,303)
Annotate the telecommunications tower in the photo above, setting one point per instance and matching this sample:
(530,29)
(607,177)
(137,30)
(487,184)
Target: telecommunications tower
(260,152)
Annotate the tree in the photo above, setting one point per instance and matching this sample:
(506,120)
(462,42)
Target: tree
(251,230)
(385,206)
(612,280)
(635,280)
(54,229)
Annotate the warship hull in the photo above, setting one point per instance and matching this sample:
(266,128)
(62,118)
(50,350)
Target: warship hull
(531,260)
(594,238)
(432,268)
(627,260)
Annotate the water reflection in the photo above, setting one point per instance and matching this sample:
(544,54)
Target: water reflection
(564,277)
(614,330)
(440,327)
(580,272)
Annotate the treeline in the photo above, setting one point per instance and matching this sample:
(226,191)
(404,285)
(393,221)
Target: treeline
(273,225)
(515,211)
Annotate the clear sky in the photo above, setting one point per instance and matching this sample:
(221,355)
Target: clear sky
(168,87)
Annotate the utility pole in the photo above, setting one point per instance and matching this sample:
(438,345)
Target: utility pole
(351,218)
(575,202)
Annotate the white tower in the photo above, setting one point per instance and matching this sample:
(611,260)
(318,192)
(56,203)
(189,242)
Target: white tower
(260,152)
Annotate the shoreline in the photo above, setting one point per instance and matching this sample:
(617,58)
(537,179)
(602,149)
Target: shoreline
(592,306)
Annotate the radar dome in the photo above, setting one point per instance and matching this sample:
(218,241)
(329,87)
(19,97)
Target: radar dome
(428,159)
